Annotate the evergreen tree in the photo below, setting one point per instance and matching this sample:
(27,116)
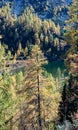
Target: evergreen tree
(68,109)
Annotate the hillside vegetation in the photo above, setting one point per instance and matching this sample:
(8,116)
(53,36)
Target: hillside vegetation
(31,98)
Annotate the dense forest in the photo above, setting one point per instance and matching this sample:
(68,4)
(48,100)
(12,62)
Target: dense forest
(35,93)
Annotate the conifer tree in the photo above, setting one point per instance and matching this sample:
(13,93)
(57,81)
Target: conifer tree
(33,87)
(39,94)
(68,109)
(6,99)
(72,37)
(69,104)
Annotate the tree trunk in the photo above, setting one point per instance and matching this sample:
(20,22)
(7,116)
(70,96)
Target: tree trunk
(11,124)
(39,107)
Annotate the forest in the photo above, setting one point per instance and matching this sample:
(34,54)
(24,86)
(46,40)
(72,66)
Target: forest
(39,65)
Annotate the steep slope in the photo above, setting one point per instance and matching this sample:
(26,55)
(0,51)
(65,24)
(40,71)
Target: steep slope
(40,6)
(56,10)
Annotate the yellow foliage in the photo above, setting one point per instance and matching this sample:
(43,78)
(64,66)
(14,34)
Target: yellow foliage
(12,91)
(13,80)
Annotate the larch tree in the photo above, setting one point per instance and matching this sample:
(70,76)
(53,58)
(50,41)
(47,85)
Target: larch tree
(32,88)
(6,100)
(72,37)
(40,106)
(69,104)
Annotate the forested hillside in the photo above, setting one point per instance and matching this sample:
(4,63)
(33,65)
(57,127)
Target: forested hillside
(39,65)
